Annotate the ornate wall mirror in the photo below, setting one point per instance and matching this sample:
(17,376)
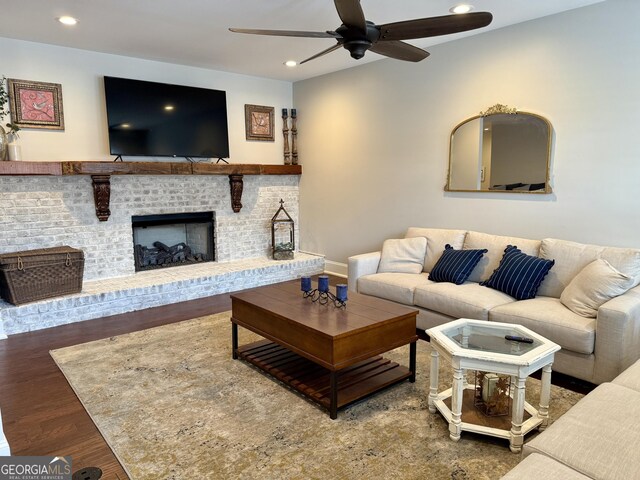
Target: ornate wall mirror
(500,150)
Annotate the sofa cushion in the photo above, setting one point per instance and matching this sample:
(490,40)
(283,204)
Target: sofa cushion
(469,300)
(495,244)
(404,255)
(626,260)
(455,266)
(598,437)
(596,284)
(548,317)
(630,378)
(571,257)
(397,287)
(437,238)
(541,467)
(519,274)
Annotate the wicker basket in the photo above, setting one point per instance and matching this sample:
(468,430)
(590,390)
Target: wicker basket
(36,274)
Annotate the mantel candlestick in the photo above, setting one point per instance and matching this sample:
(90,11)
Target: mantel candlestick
(294,136)
(285,133)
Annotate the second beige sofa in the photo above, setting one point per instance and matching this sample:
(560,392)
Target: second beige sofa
(595,349)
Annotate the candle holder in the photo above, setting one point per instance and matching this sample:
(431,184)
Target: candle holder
(294,137)
(322,296)
(285,133)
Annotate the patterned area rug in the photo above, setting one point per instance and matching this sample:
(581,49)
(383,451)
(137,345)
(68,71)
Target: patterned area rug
(172,404)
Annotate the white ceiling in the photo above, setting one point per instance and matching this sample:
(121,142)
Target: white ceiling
(195,32)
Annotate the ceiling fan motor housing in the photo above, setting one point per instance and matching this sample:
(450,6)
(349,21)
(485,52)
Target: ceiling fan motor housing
(357,41)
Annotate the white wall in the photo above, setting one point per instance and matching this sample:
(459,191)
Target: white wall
(374,139)
(80,72)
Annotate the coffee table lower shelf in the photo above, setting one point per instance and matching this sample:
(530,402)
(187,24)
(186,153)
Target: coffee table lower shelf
(314,382)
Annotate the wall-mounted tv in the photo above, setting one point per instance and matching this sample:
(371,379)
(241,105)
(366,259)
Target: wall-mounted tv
(161,120)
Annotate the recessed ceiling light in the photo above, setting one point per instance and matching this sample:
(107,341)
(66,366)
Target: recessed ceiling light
(169,107)
(67,20)
(125,125)
(462,8)
(291,63)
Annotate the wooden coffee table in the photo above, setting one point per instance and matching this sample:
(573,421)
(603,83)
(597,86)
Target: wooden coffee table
(330,355)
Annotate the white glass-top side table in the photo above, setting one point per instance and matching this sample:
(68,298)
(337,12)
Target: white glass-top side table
(481,345)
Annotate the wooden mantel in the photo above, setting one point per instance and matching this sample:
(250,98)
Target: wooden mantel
(101,174)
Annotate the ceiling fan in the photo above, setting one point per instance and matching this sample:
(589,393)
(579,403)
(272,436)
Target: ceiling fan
(358,35)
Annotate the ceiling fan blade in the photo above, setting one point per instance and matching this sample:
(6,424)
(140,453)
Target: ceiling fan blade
(434,26)
(324,52)
(351,14)
(288,33)
(400,51)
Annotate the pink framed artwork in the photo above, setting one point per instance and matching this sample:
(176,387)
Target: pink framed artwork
(36,104)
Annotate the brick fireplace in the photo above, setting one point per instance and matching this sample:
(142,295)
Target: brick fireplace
(44,211)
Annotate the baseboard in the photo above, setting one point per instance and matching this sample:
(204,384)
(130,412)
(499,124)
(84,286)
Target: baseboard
(330,267)
(335,268)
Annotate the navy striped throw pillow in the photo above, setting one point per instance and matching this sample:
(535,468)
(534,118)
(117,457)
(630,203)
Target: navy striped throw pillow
(455,266)
(519,275)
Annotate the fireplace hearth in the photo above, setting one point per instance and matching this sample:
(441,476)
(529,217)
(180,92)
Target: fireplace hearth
(171,240)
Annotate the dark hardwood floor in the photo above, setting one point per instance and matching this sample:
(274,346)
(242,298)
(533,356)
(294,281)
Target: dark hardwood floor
(41,413)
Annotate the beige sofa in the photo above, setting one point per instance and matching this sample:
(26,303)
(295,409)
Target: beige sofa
(595,349)
(598,438)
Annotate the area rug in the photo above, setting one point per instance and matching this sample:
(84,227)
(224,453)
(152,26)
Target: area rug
(172,404)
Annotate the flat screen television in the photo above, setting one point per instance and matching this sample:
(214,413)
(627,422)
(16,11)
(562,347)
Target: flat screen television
(161,120)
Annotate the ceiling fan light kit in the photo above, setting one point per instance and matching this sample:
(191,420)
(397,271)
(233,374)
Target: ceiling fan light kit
(461,8)
(357,35)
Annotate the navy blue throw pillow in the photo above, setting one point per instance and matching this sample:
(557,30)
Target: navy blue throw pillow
(455,266)
(519,275)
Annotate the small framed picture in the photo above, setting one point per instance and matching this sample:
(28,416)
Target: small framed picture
(36,104)
(259,122)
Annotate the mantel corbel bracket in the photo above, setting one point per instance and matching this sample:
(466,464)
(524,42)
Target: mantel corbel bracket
(102,195)
(236,184)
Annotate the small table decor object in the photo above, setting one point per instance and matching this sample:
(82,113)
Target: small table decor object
(492,393)
(486,347)
(322,295)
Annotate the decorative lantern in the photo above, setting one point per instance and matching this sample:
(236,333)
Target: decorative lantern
(282,234)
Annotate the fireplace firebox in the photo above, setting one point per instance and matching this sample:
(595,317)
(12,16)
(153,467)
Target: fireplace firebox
(173,239)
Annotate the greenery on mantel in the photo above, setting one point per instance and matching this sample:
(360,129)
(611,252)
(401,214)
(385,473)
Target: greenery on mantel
(4,108)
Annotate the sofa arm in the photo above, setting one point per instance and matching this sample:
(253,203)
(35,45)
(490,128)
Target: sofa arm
(617,335)
(359,265)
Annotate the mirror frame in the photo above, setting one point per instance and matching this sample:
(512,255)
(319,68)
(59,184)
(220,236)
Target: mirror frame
(496,110)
